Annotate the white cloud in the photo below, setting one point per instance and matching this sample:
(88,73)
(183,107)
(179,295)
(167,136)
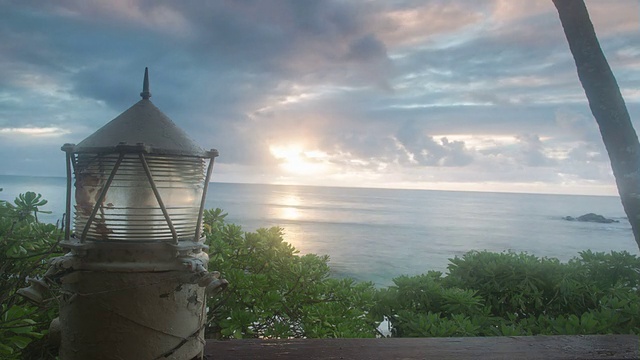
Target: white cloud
(34,131)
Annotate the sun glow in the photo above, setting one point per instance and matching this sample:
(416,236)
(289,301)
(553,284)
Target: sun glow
(295,160)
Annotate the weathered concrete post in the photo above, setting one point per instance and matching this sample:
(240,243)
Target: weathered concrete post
(134,278)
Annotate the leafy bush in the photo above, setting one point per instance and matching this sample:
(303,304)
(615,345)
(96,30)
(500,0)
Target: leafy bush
(276,293)
(25,247)
(507,293)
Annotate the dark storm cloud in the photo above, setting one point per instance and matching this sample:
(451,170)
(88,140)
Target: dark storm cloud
(323,40)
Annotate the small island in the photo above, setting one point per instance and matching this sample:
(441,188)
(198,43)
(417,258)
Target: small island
(591,217)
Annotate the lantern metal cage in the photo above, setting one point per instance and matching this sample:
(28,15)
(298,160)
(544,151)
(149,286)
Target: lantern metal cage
(137,179)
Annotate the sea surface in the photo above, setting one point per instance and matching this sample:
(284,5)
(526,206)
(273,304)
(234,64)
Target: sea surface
(378,234)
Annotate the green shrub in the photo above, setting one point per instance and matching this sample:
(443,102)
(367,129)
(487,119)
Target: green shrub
(512,294)
(25,247)
(276,293)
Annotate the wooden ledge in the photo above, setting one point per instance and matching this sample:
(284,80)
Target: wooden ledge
(514,347)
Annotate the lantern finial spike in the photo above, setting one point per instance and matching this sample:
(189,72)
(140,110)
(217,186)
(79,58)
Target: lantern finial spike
(145,85)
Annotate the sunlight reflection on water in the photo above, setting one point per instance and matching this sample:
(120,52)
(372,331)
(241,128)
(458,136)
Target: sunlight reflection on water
(286,206)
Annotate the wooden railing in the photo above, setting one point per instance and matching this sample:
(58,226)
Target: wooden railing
(514,347)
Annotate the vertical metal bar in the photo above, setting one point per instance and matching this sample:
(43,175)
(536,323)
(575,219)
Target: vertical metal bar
(204,198)
(73,163)
(67,219)
(157,194)
(100,199)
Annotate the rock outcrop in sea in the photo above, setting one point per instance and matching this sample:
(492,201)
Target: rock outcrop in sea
(591,217)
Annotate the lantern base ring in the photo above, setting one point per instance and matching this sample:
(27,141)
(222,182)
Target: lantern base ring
(129,257)
(183,246)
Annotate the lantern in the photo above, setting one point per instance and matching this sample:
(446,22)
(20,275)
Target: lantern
(133,281)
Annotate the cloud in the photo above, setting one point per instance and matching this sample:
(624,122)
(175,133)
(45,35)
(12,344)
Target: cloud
(421,149)
(474,92)
(532,151)
(156,16)
(34,131)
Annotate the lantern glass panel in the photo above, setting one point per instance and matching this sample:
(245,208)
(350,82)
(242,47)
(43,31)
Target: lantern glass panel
(130,210)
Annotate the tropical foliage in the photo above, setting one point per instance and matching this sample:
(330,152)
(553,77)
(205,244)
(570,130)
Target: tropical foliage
(492,294)
(25,247)
(276,293)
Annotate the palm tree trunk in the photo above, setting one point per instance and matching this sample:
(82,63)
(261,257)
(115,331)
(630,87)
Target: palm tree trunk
(607,105)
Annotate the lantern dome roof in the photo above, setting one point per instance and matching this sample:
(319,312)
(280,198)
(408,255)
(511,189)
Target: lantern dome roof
(142,125)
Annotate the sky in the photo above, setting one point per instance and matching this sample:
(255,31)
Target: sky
(446,95)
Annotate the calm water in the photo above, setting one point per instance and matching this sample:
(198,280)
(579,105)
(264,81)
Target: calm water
(378,234)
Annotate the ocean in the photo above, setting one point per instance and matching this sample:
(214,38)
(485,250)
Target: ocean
(378,234)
